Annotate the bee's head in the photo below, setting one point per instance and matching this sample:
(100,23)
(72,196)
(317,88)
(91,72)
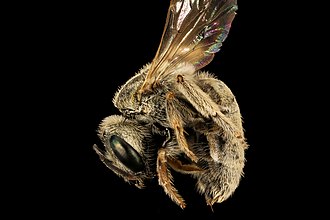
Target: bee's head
(129,149)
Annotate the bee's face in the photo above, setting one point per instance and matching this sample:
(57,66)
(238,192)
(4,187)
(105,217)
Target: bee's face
(128,149)
(125,154)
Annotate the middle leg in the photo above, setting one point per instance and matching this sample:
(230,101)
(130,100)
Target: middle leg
(175,119)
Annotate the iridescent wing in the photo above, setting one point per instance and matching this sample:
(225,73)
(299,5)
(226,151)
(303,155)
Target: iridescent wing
(193,33)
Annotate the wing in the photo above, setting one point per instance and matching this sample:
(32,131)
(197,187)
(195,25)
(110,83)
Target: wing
(193,33)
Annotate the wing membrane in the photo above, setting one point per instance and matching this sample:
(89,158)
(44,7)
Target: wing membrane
(193,33)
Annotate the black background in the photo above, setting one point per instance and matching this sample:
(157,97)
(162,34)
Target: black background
(73,58)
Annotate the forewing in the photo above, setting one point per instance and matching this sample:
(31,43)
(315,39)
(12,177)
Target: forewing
(193,33)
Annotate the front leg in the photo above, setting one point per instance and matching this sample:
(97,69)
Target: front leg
(165,179)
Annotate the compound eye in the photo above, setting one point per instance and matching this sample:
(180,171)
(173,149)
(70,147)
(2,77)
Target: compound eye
(126,154)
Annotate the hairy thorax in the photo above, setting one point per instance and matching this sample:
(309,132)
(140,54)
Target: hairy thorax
(148,108)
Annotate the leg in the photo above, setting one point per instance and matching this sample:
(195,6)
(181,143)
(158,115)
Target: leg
(225,138)
(209,109)
(214,146)
(165,179)
(192,168)
(176,122)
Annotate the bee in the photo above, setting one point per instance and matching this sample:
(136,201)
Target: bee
(177,117)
